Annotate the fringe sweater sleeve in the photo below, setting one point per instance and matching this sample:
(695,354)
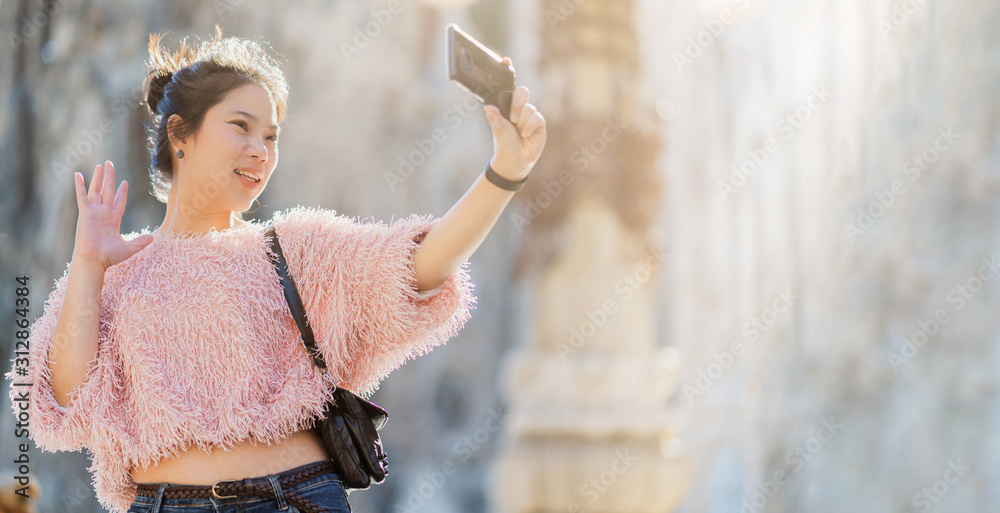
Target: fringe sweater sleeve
(54,427)
(355,282)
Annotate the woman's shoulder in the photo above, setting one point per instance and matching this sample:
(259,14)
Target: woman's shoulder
(302,217)
(313,224)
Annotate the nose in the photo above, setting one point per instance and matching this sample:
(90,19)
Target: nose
(259,151)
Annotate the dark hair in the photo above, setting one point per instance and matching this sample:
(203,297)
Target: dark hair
(189,82)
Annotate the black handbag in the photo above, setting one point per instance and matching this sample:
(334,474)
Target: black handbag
(350,424)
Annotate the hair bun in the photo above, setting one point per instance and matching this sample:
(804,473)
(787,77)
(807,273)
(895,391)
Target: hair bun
(164,63)
(156,82)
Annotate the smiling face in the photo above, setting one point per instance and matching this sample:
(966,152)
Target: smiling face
(237,137)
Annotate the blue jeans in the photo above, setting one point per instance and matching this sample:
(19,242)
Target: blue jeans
(325,490)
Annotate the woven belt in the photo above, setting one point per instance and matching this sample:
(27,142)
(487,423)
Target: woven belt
(249,487)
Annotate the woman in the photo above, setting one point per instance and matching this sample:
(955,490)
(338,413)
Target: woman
(156,348)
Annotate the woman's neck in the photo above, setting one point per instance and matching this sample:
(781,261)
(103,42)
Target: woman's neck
(197,225)
(182,216)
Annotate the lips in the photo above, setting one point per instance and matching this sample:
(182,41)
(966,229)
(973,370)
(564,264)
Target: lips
(250,174)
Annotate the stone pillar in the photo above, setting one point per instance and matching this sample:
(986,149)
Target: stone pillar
(588,429)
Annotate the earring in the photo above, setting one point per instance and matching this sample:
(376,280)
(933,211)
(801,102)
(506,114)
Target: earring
(180,154)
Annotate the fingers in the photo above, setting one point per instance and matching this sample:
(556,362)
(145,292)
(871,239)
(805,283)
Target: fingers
(531,120)
(517,104)
(102,187)
(81,190)
(108,187)
(534,123)
(528,118)
(141,241)
(121,197)
(94,193)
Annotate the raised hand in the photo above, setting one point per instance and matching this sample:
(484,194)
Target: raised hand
(98,228)
(518,142)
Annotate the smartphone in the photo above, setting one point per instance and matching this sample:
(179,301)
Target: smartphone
(479,70)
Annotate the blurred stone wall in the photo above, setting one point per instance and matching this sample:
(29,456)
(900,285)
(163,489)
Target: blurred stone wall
(833,182)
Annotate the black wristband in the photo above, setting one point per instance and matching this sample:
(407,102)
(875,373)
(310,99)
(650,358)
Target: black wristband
(502,182)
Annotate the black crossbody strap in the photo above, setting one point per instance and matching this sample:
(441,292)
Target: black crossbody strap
(293,299)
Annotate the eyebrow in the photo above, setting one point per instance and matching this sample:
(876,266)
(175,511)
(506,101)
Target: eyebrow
(254,118)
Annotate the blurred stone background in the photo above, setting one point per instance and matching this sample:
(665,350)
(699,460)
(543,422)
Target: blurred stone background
(823,175)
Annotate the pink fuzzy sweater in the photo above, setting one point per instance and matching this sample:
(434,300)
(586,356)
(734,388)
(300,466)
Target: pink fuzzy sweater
(197,344)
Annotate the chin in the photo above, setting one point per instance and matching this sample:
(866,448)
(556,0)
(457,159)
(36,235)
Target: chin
(243,207)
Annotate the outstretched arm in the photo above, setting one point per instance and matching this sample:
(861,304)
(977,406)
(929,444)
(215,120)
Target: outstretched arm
(451,241)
